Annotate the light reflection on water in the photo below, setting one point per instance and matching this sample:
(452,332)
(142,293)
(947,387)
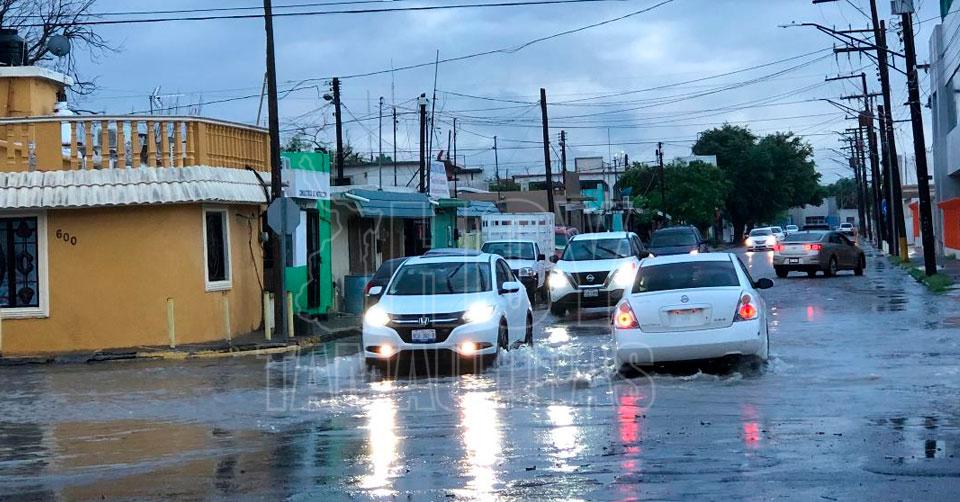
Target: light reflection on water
(564,435)
(383,443)
(480,423)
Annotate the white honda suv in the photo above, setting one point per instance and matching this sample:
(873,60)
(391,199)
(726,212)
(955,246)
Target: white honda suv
(464,305)
(593,270)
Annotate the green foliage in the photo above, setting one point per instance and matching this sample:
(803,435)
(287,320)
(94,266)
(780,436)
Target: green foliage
(766,175)
(694,192)
(845,190)
(505,185)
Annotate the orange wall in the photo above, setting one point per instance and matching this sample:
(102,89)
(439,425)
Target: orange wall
(951,228)
(110,290)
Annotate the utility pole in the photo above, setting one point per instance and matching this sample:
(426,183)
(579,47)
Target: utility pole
(919,146)
(890,223)
(546,150)
(339,128)
(277,250)
(896,191)
(563,155)
(394,145)
(423,142)
(867,201)
(496,161)
(855,154)
(454,141)
(380,139)
(663,190)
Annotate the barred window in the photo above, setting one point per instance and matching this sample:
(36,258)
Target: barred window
(20,262)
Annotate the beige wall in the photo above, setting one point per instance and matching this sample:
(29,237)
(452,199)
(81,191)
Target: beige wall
(110,289)
(27,96)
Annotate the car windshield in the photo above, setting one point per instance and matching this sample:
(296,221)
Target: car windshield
(596,249)
(777,230)
(805,237)
(441,278)
(387,269)
(511,250)
(668,239)
(793,227)
(760,232)
(686,275)
(846,225)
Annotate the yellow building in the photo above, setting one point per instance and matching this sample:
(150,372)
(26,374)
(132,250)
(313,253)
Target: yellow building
(124,231)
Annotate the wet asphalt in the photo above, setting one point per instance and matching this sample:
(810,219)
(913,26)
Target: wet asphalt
(861,400)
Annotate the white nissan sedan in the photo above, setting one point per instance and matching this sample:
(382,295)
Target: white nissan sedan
(691,307)
(464,305)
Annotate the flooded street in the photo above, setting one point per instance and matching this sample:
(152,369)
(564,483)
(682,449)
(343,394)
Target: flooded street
(860,400)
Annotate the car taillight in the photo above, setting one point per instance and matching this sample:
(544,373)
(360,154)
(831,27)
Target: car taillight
(778,247)
(623,317)
(746,311)
(813,247)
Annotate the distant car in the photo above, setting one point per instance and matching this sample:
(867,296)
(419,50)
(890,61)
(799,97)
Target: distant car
(463,307)
(813,251)
(527,262)
(777,231)
(789,229)
(848,229)
(816,226)
(677,240)
(761,239)
(380,278)
(684,308)
(594,270)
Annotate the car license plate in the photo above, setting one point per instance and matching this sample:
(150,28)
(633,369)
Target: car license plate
(687,318)
(793,261)
(423,335)
(591,293)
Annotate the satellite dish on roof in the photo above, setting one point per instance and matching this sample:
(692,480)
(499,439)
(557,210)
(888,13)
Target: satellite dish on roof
(59,45)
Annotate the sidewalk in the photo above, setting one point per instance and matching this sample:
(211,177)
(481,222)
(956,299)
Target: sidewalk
(309,334)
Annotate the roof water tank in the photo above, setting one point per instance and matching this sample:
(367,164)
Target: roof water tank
(12,48)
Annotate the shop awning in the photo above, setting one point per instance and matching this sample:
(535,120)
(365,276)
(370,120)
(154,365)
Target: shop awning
(477,208)
(379,204)
(950,204)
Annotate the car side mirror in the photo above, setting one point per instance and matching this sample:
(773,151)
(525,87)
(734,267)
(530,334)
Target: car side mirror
(510,287)
(541,257)
(764,283)
(375,291)
(645,254)
(554,259)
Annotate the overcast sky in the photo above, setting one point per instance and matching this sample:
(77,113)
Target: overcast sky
(598,80)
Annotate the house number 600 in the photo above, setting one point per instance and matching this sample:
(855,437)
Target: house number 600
(66,237)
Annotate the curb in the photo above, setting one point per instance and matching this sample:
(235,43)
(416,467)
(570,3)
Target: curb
(182,355)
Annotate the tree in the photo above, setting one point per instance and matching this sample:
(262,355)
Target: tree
(845,190)
(39,20)
(693,191)
(504,185)
(767,176)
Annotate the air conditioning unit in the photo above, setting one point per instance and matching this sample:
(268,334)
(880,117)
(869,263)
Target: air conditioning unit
(902,7)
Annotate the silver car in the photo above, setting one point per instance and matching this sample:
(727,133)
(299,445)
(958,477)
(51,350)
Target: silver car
(813,251)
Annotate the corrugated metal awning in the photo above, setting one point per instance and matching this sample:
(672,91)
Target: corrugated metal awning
(128,187)
(379,204)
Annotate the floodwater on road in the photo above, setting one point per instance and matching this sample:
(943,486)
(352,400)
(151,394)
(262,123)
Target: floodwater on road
(861,399)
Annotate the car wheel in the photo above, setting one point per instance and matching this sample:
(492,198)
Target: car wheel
(532,294)
(503,339)
(528,338)
(557,310)
(831,267)
(861,264)
(811,273)
(781,272)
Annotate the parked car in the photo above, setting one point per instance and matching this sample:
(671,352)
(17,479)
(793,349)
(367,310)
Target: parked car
(684,308)
(778,232)
(789,229)
(760,239)
(677,240)
(380,278)
(594,270)
(562,235)
(848,229)
(527,262)
(464,307)
(814,251)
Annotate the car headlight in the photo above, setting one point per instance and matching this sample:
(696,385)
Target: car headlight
(624,276)
(376,316)
(479,312)
(558,280)
(527,272)
(749,241)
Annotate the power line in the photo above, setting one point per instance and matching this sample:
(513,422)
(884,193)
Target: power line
(381,10)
